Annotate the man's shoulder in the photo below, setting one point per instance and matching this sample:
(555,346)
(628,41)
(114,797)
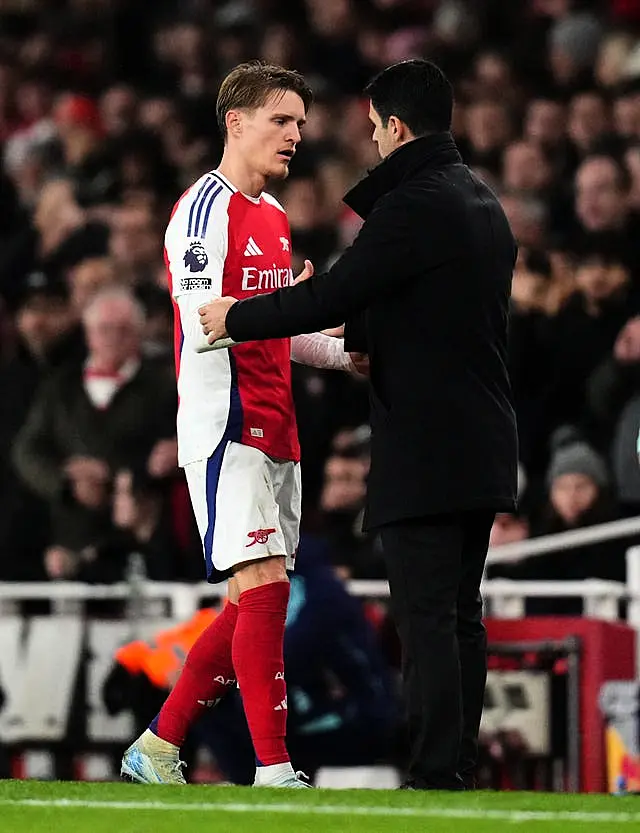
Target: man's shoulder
(454,181)
(407,202)
(209,182)
(206,199)
(450,193)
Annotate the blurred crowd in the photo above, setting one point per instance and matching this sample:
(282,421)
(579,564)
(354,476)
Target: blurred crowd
(107,114)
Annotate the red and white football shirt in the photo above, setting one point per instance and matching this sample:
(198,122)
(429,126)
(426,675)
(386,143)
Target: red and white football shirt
(222,242)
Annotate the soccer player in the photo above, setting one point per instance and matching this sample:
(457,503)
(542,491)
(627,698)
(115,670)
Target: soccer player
(237,434)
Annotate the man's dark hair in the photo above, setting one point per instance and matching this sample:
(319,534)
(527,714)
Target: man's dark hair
(417,92)
(249,86)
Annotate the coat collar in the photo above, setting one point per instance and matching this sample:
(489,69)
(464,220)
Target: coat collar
(426,152)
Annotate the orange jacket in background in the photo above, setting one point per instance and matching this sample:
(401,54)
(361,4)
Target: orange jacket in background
(162,658)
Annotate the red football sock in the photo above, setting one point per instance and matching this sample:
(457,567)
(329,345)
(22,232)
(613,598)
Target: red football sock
(259,665)
(206,677)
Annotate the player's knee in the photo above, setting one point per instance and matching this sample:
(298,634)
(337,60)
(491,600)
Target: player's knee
(256,573)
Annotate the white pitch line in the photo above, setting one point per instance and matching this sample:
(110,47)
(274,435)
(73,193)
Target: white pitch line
(516,816)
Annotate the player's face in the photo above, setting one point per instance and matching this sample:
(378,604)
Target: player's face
(270,134)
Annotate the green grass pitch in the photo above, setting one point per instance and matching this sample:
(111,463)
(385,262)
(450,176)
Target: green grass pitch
(43,807)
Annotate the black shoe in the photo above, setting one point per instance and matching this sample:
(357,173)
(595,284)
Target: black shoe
(469,782)
(422,784)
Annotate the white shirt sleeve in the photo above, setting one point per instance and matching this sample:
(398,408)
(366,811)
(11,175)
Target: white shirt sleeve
(192,330)
(196,243)
(322,351)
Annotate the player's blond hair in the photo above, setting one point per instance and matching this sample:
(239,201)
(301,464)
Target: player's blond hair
(248,86)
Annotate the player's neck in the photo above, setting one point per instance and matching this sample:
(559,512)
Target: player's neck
(247,181)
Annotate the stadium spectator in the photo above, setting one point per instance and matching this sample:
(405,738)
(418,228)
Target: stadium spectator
(577,482)
(311,236)
(528,217)
(48,336)
(355,553)
(488,130)
(142,525)
(546,123)
(118,110)
(603,187)
(574,40)
(88,277)
(626,110)
(135,244)
(526,168)
(530,304)
(575,340)
(579,495)
(81,153)
(614,405)
(588,121)
(92,419)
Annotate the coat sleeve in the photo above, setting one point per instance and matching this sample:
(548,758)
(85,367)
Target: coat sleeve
(388,251)
(355,334)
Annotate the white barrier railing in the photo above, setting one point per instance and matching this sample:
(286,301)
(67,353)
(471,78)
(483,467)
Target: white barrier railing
(505,598)
(564,540)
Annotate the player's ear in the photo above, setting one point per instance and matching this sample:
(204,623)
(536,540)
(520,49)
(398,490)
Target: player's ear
(233,120)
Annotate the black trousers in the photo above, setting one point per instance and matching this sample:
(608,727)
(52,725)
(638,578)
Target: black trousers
(435,565)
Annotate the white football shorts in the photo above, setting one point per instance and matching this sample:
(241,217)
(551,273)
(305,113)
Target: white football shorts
(247,507)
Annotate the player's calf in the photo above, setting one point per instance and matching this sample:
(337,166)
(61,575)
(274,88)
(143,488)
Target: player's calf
(259,665)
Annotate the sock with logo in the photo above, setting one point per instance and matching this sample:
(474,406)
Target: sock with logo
(258,661)
(206,677)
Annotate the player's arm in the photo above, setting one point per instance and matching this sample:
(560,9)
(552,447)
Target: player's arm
(321,351)
(189,305)
(196,262)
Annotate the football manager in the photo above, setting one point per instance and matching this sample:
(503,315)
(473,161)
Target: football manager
(424,291)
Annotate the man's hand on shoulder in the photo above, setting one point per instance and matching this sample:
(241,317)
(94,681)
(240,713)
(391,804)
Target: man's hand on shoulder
(213,317)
